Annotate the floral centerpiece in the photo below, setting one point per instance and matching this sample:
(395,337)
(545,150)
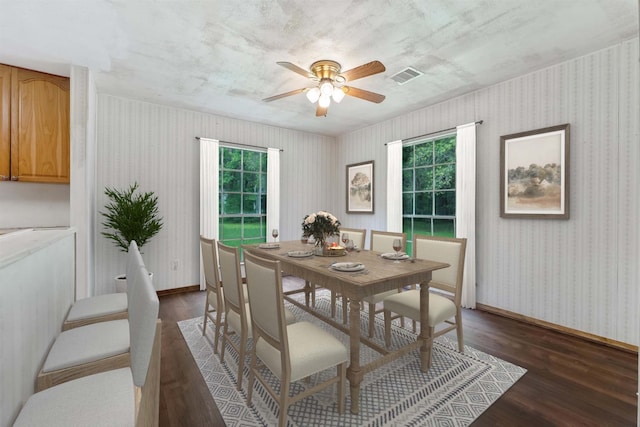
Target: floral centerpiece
(321,225)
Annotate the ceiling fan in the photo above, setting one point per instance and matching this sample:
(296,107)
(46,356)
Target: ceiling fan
(331,83)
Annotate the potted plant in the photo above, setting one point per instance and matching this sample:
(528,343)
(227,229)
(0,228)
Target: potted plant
(130,216)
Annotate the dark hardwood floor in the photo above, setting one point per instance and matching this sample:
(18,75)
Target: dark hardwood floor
(570,381)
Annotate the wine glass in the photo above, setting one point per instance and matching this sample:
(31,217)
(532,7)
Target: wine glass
(345,238)
(274,233)
(397,245)
(304,239)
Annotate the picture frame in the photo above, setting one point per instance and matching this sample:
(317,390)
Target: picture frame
(534,174)
(360,188)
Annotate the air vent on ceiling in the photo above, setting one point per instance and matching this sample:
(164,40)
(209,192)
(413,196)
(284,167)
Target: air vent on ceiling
(406,75)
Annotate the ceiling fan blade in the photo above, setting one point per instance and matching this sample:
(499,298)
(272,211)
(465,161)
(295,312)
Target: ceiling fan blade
(296,69)
(321,111)
(363,94)
(282,95)
(369,69)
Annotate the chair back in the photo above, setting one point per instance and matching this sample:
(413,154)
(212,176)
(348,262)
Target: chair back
(358,235)
(382,241)
(231,276)
(143,315)
(134,261)
(264,283)
(443,249)
(210,263)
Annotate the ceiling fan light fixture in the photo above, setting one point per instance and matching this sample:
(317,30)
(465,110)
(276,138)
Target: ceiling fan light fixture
(324,100)
(337,95)
(313,94)
(326,88)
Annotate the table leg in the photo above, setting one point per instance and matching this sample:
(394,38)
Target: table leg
(425,330)
(307,292)
(354,372)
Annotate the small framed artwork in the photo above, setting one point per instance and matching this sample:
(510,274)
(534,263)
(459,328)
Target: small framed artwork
(360,187)
(534,174)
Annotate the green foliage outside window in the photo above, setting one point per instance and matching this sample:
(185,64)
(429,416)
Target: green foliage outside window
(243,196)
(429,188)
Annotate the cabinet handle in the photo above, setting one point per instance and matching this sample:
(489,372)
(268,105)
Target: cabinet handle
(14,178)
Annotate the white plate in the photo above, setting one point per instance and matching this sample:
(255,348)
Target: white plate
(392,255)
(300,254)
(269,245)
(348,266)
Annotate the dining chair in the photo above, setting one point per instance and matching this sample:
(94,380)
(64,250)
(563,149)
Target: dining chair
(358,236)
(214,301)
(445,304)
(107,307)
(290,351)
(236,306)
(382,241)
(125,397)
(95,347)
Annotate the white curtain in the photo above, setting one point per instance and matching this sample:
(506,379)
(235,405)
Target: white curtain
(209,177)
(394,186)
(466,206)
(273,191)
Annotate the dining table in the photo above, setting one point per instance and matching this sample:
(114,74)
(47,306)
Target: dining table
(370,274)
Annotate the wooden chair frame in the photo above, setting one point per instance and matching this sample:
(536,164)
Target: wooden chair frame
(213,287)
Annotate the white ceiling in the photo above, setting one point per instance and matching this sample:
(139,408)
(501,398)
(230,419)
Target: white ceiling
(220,56)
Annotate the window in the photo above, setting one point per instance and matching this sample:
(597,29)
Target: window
(243,196)
(429,188)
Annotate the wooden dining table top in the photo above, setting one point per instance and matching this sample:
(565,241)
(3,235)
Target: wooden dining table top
(379,274)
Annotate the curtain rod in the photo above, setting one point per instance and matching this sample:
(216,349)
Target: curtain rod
(237,143)
(415,138)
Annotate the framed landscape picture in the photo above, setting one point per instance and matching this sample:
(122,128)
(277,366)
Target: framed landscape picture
(534,174)
(360,187)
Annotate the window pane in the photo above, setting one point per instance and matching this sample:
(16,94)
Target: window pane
(231,181)
(263,162)
(251,182)
(263,183)
(407,180)
(231,228)
(446,203)
(230,204)
(407,203)
(445,177)
(445,150)
(443,228)
(424,154)
(251,161)
(252,227)
(424,178)
(250,204)
(422,226)
(230,158)
(424,204)
(407,156)
(263,204)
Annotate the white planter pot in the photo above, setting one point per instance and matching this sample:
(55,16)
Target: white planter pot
(121,282)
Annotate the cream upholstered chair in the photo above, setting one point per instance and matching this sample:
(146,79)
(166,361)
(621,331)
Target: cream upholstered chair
(358,235)
(382,241)
(444,305)
(123,397)
(214,301)
(92,348)
(236,306)
(291,352)
(103,308)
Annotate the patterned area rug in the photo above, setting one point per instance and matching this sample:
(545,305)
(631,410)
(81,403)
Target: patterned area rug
(455,391)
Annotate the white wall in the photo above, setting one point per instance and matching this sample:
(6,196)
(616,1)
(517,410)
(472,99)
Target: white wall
(155,146)
(31,204)
(581,273)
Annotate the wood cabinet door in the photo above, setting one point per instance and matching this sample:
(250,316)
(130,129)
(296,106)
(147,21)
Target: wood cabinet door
(5,126)
(40,137)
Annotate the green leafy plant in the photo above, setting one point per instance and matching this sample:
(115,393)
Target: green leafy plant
(131,216)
